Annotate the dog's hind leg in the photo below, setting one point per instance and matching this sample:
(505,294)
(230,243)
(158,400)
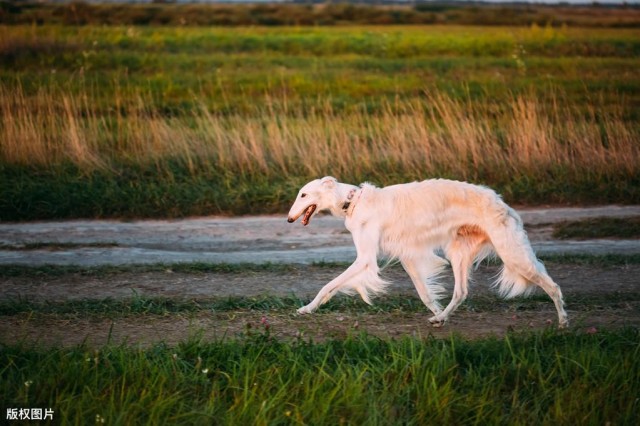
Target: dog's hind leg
(422,273)
(460,265)
(537,274)
(554,292)
(462,252)
(522,271)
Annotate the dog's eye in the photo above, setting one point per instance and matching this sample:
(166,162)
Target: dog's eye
(303,195)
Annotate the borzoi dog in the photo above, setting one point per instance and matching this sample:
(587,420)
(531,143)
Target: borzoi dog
(413,221)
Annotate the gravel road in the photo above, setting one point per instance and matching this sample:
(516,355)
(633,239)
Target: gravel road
(257,239)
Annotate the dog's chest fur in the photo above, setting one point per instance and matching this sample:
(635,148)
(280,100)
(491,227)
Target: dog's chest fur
(401,236)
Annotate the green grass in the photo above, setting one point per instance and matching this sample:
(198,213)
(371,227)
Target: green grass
(174,191)
(138,121)
(541,378)
(598,228)
(138,305)
(131,191)
(234,68)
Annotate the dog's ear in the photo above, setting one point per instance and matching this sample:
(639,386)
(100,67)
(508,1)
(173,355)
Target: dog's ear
(329,181)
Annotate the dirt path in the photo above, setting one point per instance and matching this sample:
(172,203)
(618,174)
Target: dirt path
(597,296)
(246,240)
(50,330)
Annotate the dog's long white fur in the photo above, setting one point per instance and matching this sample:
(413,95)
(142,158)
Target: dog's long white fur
(414,221)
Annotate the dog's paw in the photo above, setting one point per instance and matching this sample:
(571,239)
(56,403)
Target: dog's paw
(304,310)
(437,321)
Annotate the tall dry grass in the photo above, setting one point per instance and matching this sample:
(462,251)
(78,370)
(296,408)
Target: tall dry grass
(409,140)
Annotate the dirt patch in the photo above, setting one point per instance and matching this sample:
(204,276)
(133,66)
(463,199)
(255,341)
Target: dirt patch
(302,281)
(150,329)
(615,289)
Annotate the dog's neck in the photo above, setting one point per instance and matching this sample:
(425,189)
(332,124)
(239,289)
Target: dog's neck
(347,195)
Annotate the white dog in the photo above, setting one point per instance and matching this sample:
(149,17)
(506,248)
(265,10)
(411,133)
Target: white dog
(411,222)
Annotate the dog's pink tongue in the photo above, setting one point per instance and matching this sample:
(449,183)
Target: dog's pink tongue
(307,214)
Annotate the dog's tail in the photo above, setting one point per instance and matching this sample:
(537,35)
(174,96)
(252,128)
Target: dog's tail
(510,241)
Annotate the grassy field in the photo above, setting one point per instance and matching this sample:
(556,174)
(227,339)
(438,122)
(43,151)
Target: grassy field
(167,13)
(540,378)
(134,121)
(265,373)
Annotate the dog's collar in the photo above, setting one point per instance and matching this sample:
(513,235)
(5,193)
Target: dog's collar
(350,204)
(347,203)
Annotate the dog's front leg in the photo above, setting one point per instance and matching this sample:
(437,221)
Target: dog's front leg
(329,290)
(366,242)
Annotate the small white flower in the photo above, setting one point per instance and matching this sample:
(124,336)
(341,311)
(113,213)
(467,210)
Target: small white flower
(28,383)
(205,371)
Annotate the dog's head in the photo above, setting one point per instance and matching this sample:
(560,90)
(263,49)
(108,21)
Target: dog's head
(315,196)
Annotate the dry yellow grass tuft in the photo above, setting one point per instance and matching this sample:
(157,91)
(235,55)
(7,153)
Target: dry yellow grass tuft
(408,139)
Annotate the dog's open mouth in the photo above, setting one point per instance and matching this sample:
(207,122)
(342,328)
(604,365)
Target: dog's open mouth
(308,213)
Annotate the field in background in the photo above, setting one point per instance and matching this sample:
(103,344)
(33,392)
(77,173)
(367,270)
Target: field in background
(172,13)
(124,121)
